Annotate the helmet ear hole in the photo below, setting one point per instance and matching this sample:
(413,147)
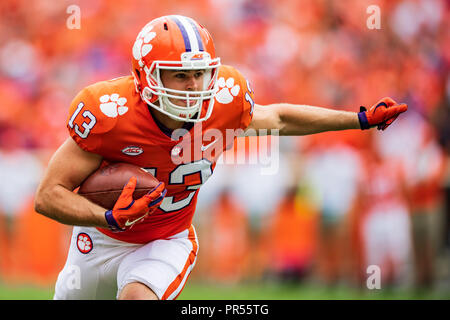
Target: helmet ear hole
(166,27)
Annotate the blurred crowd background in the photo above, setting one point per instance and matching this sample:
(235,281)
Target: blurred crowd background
(341,201)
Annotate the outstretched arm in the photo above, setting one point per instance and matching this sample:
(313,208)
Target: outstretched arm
(292,120)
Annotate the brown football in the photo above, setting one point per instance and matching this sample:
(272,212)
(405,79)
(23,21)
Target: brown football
(105,185)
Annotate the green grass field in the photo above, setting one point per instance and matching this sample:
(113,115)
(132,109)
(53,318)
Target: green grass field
(260,291)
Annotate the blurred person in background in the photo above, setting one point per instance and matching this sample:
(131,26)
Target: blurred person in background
(384,220)
(333,173)
(423,163)
(20,171)
(439,120)
(426,198)
(227,243)
(288,237)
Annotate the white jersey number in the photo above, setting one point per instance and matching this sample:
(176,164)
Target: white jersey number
(87,126)
(178,175)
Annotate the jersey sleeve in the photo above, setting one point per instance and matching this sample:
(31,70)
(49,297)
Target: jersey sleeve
(247,103)
(241,94)
(86,123)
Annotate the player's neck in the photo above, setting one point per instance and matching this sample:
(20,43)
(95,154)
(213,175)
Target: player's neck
(166,121)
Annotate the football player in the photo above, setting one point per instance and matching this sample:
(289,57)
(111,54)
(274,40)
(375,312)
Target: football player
(146,249)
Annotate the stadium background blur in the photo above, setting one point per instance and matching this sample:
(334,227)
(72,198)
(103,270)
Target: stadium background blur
(340,202)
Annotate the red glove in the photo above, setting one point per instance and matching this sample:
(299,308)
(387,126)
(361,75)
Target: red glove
(381,114)
(127,211)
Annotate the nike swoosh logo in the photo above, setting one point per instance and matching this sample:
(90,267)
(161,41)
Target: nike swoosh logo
(204,148)
(379,105)
(128,223)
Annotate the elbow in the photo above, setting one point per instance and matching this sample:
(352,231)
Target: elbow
(38,205)
(40,201)
(280,121)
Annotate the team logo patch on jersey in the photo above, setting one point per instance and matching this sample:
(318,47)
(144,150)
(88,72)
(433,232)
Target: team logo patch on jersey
(84,243)
(132,150)
(113,105)
(227,90)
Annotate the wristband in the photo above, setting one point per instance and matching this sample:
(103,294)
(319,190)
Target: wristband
(362,117)
(112,224)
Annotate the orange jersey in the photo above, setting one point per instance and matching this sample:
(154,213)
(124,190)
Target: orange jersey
(109,118)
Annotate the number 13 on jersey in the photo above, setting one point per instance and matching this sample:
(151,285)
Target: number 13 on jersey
(177,177)
(87,126)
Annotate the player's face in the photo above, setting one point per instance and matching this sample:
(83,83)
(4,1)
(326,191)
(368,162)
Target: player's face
(185,80)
